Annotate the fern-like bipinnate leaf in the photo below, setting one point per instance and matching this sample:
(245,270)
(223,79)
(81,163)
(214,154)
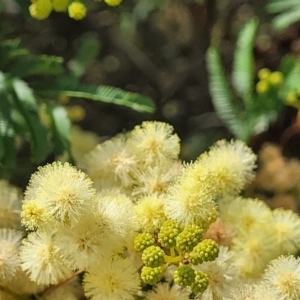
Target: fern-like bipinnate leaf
(37,65)
(221,94)
(112,95)
(289,12)
(243,63)
(277,6)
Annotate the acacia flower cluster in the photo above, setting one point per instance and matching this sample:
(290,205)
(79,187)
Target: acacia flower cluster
(136,223)
(41,9)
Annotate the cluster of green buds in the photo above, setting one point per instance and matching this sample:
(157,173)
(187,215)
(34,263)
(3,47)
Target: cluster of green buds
(41,9)
(183,247)
(268,81)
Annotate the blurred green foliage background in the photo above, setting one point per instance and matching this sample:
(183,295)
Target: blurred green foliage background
(158,51)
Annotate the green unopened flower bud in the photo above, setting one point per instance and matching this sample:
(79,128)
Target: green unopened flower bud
(143,241)
(153,256)
(184,276)
(200,283)
(168,233)
(151,275)
(189,238)
(207,250)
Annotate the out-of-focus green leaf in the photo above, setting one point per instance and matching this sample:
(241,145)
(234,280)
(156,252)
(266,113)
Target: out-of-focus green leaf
(9,50)
(37,65)
(61,128)
(243,63)
(7,132)
(27,105)
(276,6)
(287,64)
(112,95)
(87,52)
(221,94)
(286,19)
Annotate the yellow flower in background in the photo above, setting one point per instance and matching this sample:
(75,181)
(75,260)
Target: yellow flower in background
(262,86)
(276,78)
(113,2)
(40,9)
(77,11)
(263,74)
(76,113)
(60,5)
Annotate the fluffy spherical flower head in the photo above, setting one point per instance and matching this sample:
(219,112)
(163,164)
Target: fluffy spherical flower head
(230,165)
(155,179)
(286,225)
(111,163)
(40,9)
(164,291)
(88,240)
(150,213)
(42,259)
(82,142)
(113,2)
(122,219)
(10,205)
(9,261)
(77,10)
(65,192)
(252,250)
(154,142)
(112,279)
(242,292)
(266,292)
(34,215)
(244,213)
(187,204)
(60,5)
(283,274)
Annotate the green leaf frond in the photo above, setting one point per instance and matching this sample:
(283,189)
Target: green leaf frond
(221,93)
(243,62)
(288,12)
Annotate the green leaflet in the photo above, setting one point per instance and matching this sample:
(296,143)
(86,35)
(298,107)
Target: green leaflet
(27,105)
(61,129)
(221,94)
(277,6)
(288,12)
(37,65)
(243,62)
(112,95)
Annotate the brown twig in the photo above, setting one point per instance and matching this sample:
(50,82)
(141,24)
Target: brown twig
(64,282)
